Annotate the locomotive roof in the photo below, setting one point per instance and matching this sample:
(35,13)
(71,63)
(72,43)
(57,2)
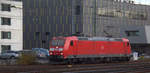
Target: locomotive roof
(100,39)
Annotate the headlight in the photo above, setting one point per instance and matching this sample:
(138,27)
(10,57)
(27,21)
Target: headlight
(60,49)
(51,49)
(51,53)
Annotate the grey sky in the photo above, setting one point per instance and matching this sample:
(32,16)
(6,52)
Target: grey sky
(142,2)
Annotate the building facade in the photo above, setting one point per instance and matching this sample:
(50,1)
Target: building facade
(11,25)
(44,19)
(116,18)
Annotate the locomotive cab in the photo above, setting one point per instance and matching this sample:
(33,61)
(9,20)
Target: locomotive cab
(59,47)
(56,49)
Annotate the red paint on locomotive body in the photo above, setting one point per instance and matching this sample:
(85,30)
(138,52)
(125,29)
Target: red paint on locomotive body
(89,47)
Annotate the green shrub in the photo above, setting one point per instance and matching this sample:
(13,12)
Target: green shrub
(26,59)
(141,58)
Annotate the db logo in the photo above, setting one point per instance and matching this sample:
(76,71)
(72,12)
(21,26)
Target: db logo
(102,47)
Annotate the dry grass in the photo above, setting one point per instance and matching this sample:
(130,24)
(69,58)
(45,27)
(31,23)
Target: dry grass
(26,59)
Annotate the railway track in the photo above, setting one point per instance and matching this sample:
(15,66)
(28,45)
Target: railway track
(126,67)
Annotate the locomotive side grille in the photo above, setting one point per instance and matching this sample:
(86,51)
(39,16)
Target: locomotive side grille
(100,39)
(83,38)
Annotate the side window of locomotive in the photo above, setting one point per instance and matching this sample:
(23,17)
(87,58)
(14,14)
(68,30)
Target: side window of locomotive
(54,42)
(61,42)
(128,44)
(71,43)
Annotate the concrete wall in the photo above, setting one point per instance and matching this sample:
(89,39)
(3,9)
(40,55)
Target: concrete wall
(141,38)
(16,27)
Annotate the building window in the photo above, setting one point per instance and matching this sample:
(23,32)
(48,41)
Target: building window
(6,35)
(17,0)
(6,7)
(132,33)
(5,47)
(138,15)
(43,41)
(37,33)
(106,12)
(77,12)
(6,21)
(47,33)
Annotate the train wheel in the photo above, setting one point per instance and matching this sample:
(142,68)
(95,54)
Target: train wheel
(74,61)
(124,59)
(69,61)
(107,60)
(128,59)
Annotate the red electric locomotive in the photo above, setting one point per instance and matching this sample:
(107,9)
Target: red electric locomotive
(77,49)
